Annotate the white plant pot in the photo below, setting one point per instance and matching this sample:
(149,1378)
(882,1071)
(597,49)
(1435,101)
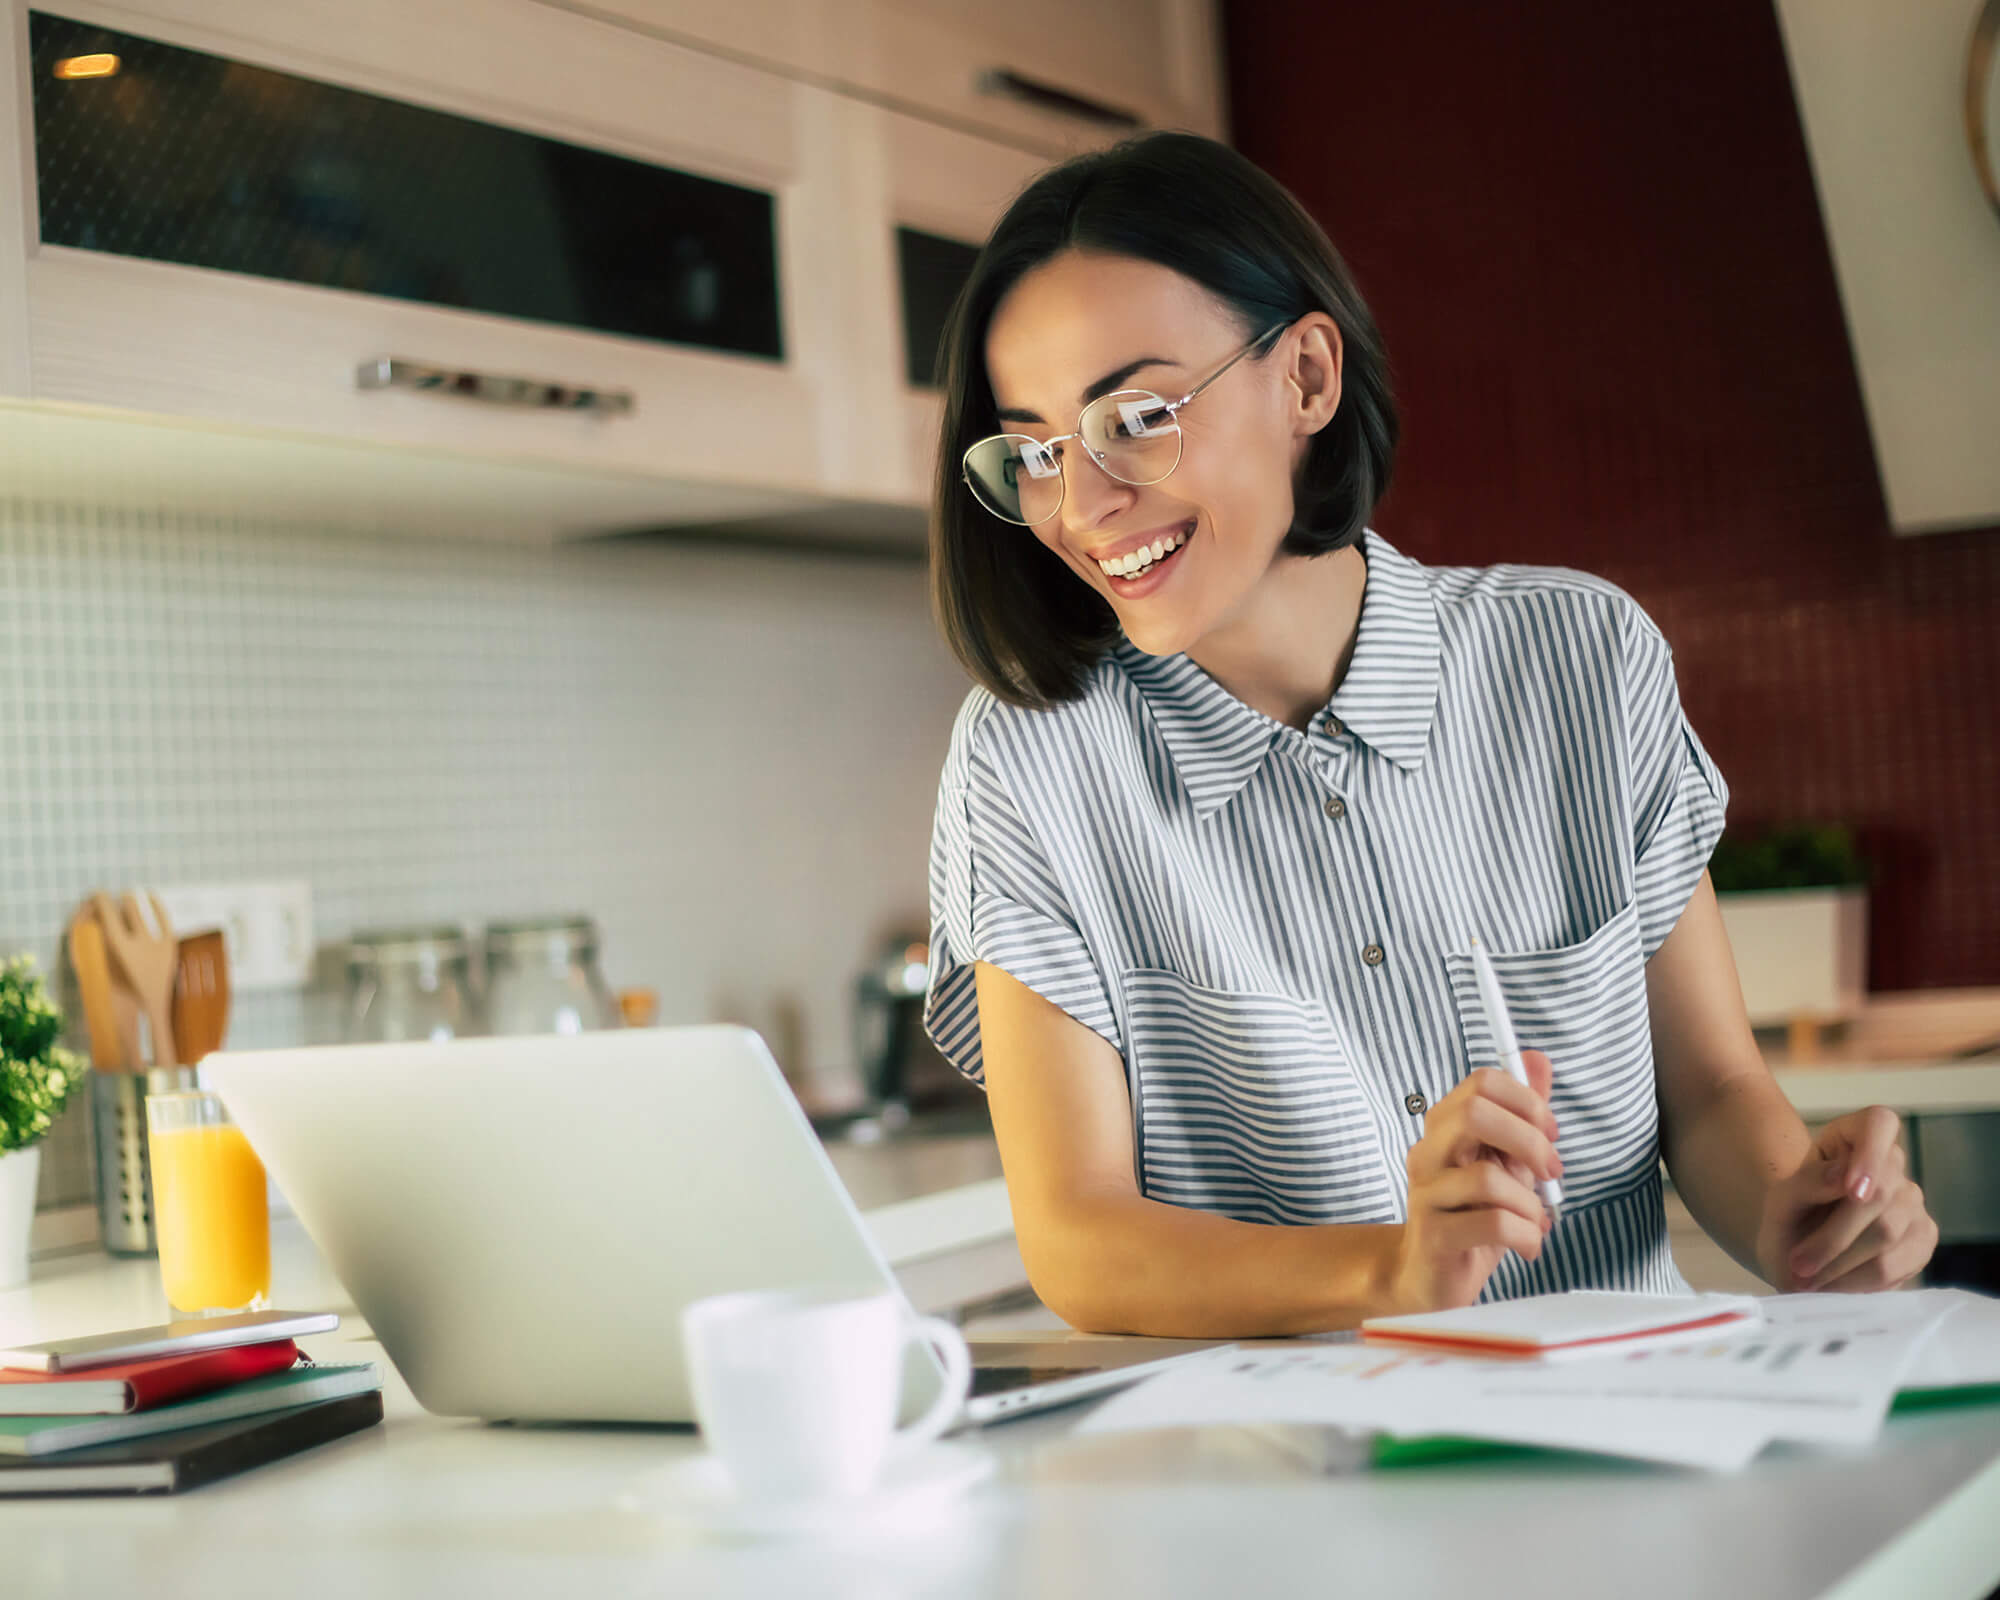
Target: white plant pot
(1801,954)
(18,1171)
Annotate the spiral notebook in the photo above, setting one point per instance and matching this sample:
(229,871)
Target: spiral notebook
(140,1385)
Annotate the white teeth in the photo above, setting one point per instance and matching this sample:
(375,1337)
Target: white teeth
(1139,560)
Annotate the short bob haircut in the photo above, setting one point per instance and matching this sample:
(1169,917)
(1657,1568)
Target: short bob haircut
(1021,622)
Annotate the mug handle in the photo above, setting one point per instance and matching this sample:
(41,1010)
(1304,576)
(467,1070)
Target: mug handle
(949,1345)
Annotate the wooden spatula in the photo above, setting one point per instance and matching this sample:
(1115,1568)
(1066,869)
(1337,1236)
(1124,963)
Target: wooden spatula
(109,1012)
(201,995)
(146,956)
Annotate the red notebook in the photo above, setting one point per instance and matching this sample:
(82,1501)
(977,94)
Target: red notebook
(139,1385)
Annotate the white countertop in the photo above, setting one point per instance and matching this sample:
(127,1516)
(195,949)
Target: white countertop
(936,1206)
(1900,1050)
(427,1506)
(1913,1089)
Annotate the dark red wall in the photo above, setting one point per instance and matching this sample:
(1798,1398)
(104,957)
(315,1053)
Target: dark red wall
(1590,234)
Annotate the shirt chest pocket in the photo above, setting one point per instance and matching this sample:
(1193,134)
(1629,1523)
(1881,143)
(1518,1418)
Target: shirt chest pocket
(1245,1104)
(1584,1007)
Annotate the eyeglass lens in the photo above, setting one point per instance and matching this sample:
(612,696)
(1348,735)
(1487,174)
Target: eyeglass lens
(1132,434)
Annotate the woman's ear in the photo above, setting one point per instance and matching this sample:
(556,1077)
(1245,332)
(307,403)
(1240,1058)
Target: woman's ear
(1313,376)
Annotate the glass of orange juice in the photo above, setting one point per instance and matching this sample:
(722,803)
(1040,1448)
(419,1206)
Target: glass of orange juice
(211,1213)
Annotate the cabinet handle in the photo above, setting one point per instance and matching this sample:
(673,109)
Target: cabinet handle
(535,394)
(1011,85)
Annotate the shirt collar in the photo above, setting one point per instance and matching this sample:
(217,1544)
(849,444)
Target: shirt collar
(1389,696)
(1214,740)
(1387,699)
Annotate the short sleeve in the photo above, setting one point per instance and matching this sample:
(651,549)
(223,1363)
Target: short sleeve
(996,898)
(1678,795)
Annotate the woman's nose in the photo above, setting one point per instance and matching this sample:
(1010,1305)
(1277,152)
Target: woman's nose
(1090,494)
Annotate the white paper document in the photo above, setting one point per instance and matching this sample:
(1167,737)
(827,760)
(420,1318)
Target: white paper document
(1964,1350)
(1820,1369)
(1360,1388)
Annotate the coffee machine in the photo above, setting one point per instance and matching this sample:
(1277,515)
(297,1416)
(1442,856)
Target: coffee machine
(901,1069)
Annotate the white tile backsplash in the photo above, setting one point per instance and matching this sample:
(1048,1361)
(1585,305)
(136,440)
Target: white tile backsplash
(729,757)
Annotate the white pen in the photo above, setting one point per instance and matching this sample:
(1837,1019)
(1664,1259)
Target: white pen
(1501,1026)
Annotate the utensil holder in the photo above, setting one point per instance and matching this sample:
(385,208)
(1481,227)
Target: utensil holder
(124,1171)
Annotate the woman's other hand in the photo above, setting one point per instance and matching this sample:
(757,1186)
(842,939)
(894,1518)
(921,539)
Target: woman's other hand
(1849,1219)
(1472,1186)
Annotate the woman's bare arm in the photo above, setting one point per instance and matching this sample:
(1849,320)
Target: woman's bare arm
(1726,1130)
(1106,1259)
(1835,1210)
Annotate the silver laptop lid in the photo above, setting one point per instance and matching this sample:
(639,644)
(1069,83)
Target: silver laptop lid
(521,1221)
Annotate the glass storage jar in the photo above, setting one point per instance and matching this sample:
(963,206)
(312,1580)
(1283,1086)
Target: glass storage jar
(542,977)
(409,983)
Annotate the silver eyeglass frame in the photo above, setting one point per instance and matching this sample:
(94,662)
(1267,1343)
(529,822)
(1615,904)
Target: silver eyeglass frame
(1171,407)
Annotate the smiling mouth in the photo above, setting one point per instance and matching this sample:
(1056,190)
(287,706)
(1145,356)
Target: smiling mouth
(1147,557)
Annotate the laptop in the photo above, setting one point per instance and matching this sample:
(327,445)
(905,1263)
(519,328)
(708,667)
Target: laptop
(522,1220)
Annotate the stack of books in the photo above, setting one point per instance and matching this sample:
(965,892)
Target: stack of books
(159,1410)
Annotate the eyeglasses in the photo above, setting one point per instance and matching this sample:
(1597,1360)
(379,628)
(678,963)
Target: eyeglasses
(1134,435)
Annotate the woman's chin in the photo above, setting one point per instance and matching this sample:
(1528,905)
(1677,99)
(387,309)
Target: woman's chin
(1157,635)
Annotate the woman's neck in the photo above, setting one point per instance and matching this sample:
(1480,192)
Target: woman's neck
(1288,646)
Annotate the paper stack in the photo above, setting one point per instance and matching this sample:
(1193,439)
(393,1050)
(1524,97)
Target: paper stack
(1816,1369)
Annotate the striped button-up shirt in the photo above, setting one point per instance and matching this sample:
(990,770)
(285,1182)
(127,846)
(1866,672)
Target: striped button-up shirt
(1272,927)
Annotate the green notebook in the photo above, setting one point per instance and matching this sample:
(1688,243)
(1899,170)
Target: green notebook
(40,1436)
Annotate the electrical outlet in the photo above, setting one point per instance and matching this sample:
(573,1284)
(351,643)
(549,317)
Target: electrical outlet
(267,928)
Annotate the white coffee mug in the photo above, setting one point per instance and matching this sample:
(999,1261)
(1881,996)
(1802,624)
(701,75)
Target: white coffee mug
(796,1390)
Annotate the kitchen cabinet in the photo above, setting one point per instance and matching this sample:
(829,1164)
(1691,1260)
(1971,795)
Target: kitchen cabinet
(495,229)
(947,187)
(1046,76)
(1899,109)
(942,185)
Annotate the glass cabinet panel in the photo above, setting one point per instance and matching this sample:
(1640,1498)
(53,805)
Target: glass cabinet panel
(933,270)
(147,149)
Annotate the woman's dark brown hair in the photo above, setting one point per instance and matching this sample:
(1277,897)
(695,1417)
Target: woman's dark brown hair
(1022,622)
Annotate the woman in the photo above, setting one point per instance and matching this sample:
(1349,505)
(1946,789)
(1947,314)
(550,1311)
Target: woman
(1240,781)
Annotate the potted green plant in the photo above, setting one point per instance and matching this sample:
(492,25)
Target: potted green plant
(37,1076)
(1794,899)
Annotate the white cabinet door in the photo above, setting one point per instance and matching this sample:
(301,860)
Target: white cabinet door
(1012,65)
(1001,70)
(146,337)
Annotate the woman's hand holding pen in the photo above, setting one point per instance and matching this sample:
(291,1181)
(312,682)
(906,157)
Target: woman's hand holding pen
(1849,1219)
(1472,1186)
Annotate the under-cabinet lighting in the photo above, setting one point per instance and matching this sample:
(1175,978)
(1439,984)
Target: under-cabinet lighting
(103,65)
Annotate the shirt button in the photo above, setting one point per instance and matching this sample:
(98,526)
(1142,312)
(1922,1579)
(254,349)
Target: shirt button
(1335,727)
(1415,1104)
(1372,955)
(1336,807)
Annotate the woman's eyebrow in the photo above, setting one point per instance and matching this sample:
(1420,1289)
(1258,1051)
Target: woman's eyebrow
(1103,386)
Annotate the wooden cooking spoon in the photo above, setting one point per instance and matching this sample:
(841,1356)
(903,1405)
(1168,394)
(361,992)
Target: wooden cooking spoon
(201,997)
